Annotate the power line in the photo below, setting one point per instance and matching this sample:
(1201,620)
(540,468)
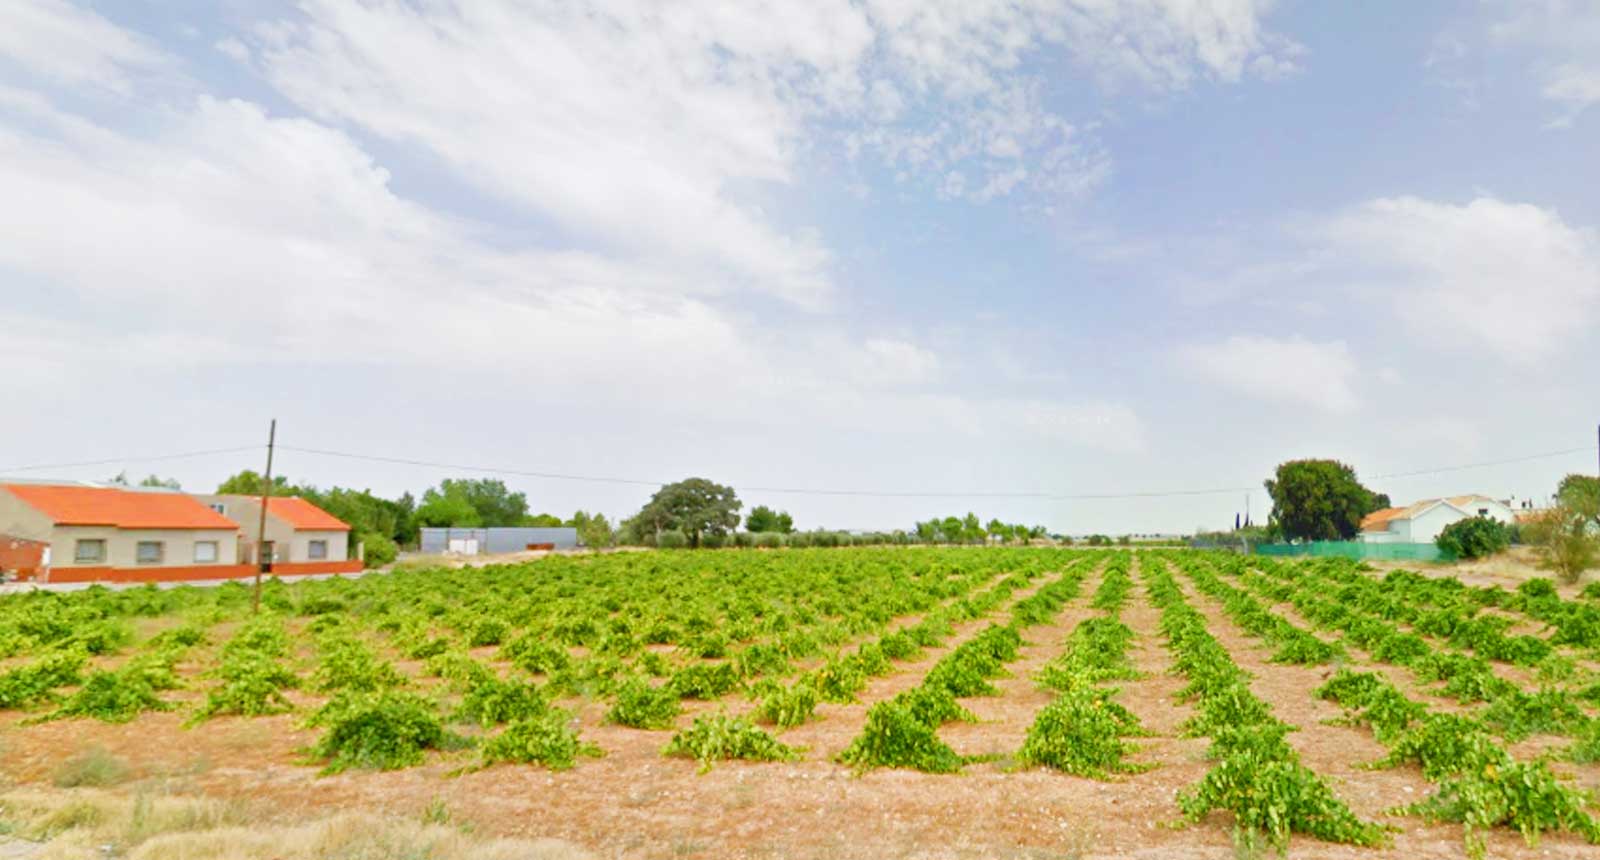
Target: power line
(1441,469)
(117,461)
(888,494)
(803,491)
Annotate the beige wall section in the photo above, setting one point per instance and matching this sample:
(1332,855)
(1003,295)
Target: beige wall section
(289,545)
(338,545)
(21,520)
(122,546)
(246,511)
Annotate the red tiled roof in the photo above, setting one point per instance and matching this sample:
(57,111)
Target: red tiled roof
(123,509)
(1378,521)
(304,516)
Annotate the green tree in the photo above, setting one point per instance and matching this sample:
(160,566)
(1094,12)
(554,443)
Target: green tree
(594,530)
(695,507)
(1581,493)
(998,531)
(1567,536)
(928,532)
(248,483)
(765,519)
(1475,537)
(542,521)
(440,511)
(950,529)
(492,504)
(972,528)
(1319,500)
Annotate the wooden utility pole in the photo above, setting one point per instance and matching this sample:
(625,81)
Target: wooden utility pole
(264,559)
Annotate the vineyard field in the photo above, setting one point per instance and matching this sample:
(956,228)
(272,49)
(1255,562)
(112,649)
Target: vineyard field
(928,702)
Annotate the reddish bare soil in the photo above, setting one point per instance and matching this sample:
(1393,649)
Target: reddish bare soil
(633,803)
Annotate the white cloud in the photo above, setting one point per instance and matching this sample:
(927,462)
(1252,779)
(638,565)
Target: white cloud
(1561,39)
(271,239)
(56,40)
(897,361)
(1513,278)
(542,103)
(965,46)
(235,239)
(1292,370)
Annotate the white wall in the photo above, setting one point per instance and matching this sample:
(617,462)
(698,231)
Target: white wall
(122,545)
(300,545)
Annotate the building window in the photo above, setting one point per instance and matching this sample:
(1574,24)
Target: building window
(90,552)
(149,552)
(317,550)
(1483,512)
(205,552)
(219,508)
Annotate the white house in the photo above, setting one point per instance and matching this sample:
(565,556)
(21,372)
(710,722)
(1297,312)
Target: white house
(1423,521)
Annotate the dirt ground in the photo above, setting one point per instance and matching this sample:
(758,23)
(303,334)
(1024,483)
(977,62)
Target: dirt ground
(1507,570)
(633,803)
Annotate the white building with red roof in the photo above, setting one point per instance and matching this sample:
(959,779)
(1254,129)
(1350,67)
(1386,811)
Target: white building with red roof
(298,532)
(66,532)
(1421,522)
(92,533)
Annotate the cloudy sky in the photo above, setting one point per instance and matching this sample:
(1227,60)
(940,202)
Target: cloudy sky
(1052,247)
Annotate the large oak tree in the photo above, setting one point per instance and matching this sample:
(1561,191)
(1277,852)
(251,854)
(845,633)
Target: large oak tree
(1320,500)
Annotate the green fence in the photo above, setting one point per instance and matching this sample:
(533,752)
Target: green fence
(1356,550)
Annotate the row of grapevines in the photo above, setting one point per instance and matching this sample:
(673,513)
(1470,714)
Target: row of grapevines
(903,731)
(1257,777)
(1478,782)
(1514,713)
(1084,730)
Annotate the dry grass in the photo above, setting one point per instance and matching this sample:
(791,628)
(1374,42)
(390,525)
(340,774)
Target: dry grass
(92,823)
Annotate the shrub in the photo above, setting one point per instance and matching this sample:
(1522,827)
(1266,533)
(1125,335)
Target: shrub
(459,668)
(347,664)
(761,659)
(1517,715)
(113,697)
(1272,797)
(934,706)
(377,549)
(1477,537)
(839,680)
(769,540)
(1524,796)
(1081,733)
(672,540)
(184,636)
(486,631)
(252,686)
(899,646)
(1444,745)
(36,682)
(532,654)
(383,731)
(719,737)
(786,706)
(705,681)
(549,740)
(642,706)
(894,737)
(492,701)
